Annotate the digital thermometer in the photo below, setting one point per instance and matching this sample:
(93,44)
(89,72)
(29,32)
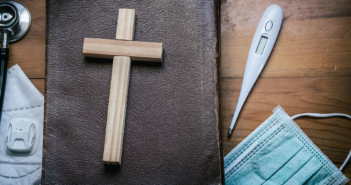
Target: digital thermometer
(261,47)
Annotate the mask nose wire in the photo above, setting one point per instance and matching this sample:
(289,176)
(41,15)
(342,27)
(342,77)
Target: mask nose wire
(316,115)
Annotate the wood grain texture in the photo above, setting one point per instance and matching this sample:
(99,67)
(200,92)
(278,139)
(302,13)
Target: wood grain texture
(300,95)
(39,84)
(140,51)
(314,41)
(117,110)
(119,91)
(125,24)
(29,52)
(309,70)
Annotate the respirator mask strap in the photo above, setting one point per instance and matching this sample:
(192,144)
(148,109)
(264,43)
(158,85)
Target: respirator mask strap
(327,116)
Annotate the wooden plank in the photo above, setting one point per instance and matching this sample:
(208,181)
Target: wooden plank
(314,41)
(125,24)
(37,10)
(309,70)
(119,92)
(39,84)
(105,48)
(295,95)
(116,110)
(29,52)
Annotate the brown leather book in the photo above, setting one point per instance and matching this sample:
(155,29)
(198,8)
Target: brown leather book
(172,126)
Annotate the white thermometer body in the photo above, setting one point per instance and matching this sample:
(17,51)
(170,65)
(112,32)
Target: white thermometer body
(261,47)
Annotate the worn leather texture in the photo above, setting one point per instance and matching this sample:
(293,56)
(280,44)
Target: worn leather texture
(171,132)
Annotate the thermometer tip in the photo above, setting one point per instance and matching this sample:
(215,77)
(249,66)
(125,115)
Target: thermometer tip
(230,132)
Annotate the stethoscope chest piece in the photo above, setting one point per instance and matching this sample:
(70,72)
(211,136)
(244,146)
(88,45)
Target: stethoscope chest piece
(15,18)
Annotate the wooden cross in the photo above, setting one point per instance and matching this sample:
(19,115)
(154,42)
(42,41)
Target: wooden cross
(122,50)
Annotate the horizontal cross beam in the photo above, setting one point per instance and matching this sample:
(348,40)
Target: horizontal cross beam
(106,48)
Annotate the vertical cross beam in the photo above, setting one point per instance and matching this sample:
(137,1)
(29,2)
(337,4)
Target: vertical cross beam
(121,51)
(118,91)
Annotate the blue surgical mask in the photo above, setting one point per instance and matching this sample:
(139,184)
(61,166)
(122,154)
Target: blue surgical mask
(279,152)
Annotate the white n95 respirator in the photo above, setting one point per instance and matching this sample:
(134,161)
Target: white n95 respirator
(21,131)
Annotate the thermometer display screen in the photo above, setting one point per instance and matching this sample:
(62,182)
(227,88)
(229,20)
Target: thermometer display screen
(261,45)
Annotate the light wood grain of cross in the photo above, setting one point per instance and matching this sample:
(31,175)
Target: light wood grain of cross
(118,92)
(122,51)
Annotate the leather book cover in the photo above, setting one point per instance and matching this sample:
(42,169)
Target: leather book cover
(172,126)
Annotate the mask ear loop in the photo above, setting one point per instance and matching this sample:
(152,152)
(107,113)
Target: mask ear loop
(326,116)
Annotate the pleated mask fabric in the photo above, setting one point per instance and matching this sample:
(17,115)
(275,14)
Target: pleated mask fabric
(279,152)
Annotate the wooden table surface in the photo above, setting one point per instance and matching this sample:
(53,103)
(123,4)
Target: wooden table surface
(309,70)
(29,52)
